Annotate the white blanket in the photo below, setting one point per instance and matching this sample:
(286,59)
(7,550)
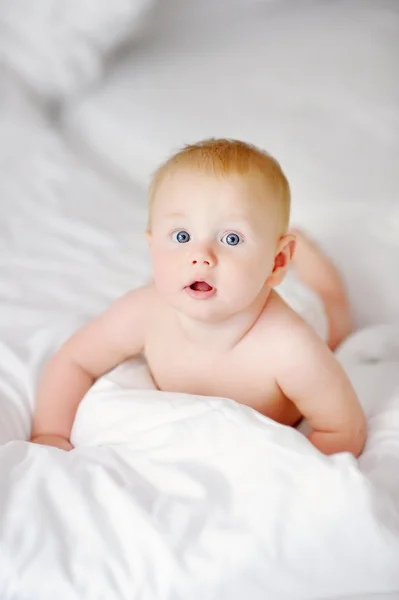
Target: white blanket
(171,496)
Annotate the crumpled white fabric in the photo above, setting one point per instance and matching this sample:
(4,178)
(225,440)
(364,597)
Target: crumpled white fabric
(171,496)
(59,46)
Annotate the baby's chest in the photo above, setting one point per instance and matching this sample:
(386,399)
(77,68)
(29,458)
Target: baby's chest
(180,367)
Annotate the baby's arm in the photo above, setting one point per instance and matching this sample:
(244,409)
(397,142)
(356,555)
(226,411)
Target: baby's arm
(311,377)
(95,349)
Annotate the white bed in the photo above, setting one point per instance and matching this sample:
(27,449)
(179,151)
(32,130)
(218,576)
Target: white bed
(170,496)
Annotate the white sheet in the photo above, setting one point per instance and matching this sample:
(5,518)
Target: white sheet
(172,496)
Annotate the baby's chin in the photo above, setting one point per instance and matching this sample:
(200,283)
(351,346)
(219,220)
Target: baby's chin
(212,310)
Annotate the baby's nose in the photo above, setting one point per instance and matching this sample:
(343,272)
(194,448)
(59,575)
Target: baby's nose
(203,257)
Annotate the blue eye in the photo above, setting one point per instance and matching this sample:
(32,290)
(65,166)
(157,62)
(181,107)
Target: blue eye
(231,239)
(182,237)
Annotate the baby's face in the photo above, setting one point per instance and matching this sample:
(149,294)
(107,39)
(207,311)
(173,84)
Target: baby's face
(212,243)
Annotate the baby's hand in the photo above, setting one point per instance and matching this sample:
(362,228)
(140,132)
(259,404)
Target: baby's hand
(53,440)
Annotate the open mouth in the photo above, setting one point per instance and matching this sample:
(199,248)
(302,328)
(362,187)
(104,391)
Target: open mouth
(201,286)
(201,290)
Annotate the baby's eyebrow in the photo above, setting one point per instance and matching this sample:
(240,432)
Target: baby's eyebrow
(236,219)
(174,215)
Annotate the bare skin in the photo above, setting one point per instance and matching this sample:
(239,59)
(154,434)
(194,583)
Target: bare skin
(318,272)
(241,341)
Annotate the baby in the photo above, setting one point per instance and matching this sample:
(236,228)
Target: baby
(212,323)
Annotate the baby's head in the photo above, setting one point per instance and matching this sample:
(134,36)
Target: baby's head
(217,230)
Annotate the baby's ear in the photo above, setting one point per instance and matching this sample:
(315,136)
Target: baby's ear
(284,253)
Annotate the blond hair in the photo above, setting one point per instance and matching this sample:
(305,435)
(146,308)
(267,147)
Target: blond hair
(222,157)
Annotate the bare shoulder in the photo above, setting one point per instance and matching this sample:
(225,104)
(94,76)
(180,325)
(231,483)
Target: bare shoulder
(279,322)
(143,298)
(116,334)
(132,313)
(290,343)
(294,340)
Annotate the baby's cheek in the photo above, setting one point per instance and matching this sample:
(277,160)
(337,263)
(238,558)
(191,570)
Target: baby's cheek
(249,268)
(254,276)
(164,267)
(240,278)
